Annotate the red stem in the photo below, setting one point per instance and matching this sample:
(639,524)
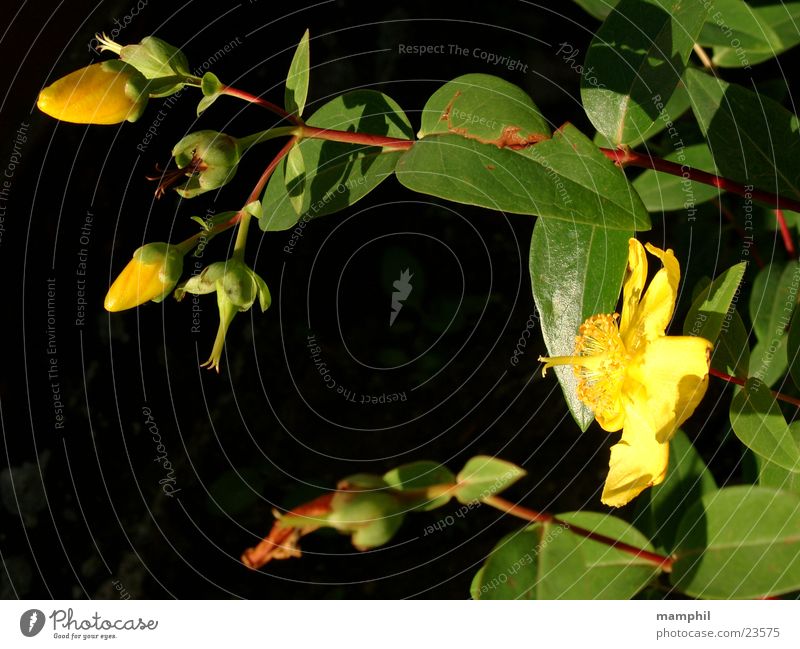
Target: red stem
(625,157)
(259,187)
(270,168)
(253,99)
(737,381)
(787,237)
(350,137)
(663,562)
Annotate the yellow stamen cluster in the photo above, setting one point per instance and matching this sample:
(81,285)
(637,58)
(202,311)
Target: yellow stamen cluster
(602,372)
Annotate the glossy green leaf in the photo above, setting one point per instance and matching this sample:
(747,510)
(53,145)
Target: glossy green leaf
(565,178)
(338,174)
(739,542)
(294,97)
(753,138)
(776,477)
(772,302)
(485,476)
(677,105)
(664,192)
(744,34)
(484,107)
(659,509)
(576,271)
(639,54)
(417,476)
(546,561)
(758,422)
(714,307)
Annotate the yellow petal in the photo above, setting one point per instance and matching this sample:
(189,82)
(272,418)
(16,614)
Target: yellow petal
(136,284)
(634,283)
(91,95)
(655,310)
(673,372)
(637,462)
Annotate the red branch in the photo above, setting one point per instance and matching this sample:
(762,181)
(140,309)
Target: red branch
(663,562)
(253,99)
(626,157)
(737,381)
(350,137)
(787,237)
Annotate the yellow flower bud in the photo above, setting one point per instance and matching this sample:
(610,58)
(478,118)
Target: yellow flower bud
(150,275)
(101,93)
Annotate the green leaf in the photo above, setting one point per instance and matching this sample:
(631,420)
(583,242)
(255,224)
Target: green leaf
(211,88)
(484,107)
(264,297)
(295,175)
(297,79)
(475,584)
(753,138)
(576,271)
(545,561)
(732,353)
(772,475)
(659,509)
(418,476)
(338,174)
(739,542)
(485,476)
(758,422)
(745,34)
(155,58)
(713,309)
(793,347)
(639,54)
(772,301)
(664,192)
(597,8)
(677,105)
(565,177)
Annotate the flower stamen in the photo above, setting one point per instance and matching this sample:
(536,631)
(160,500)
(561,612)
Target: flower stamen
(599,363)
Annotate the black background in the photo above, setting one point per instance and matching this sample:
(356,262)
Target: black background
(267,431)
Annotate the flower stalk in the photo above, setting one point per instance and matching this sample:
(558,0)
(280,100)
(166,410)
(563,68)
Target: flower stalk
(741,382)
(624,157)
(663,562)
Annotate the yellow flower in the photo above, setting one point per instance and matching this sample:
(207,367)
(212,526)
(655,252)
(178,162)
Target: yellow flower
(150,275)
(636,378)
(101,93)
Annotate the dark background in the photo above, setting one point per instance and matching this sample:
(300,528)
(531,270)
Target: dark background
(85,508)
